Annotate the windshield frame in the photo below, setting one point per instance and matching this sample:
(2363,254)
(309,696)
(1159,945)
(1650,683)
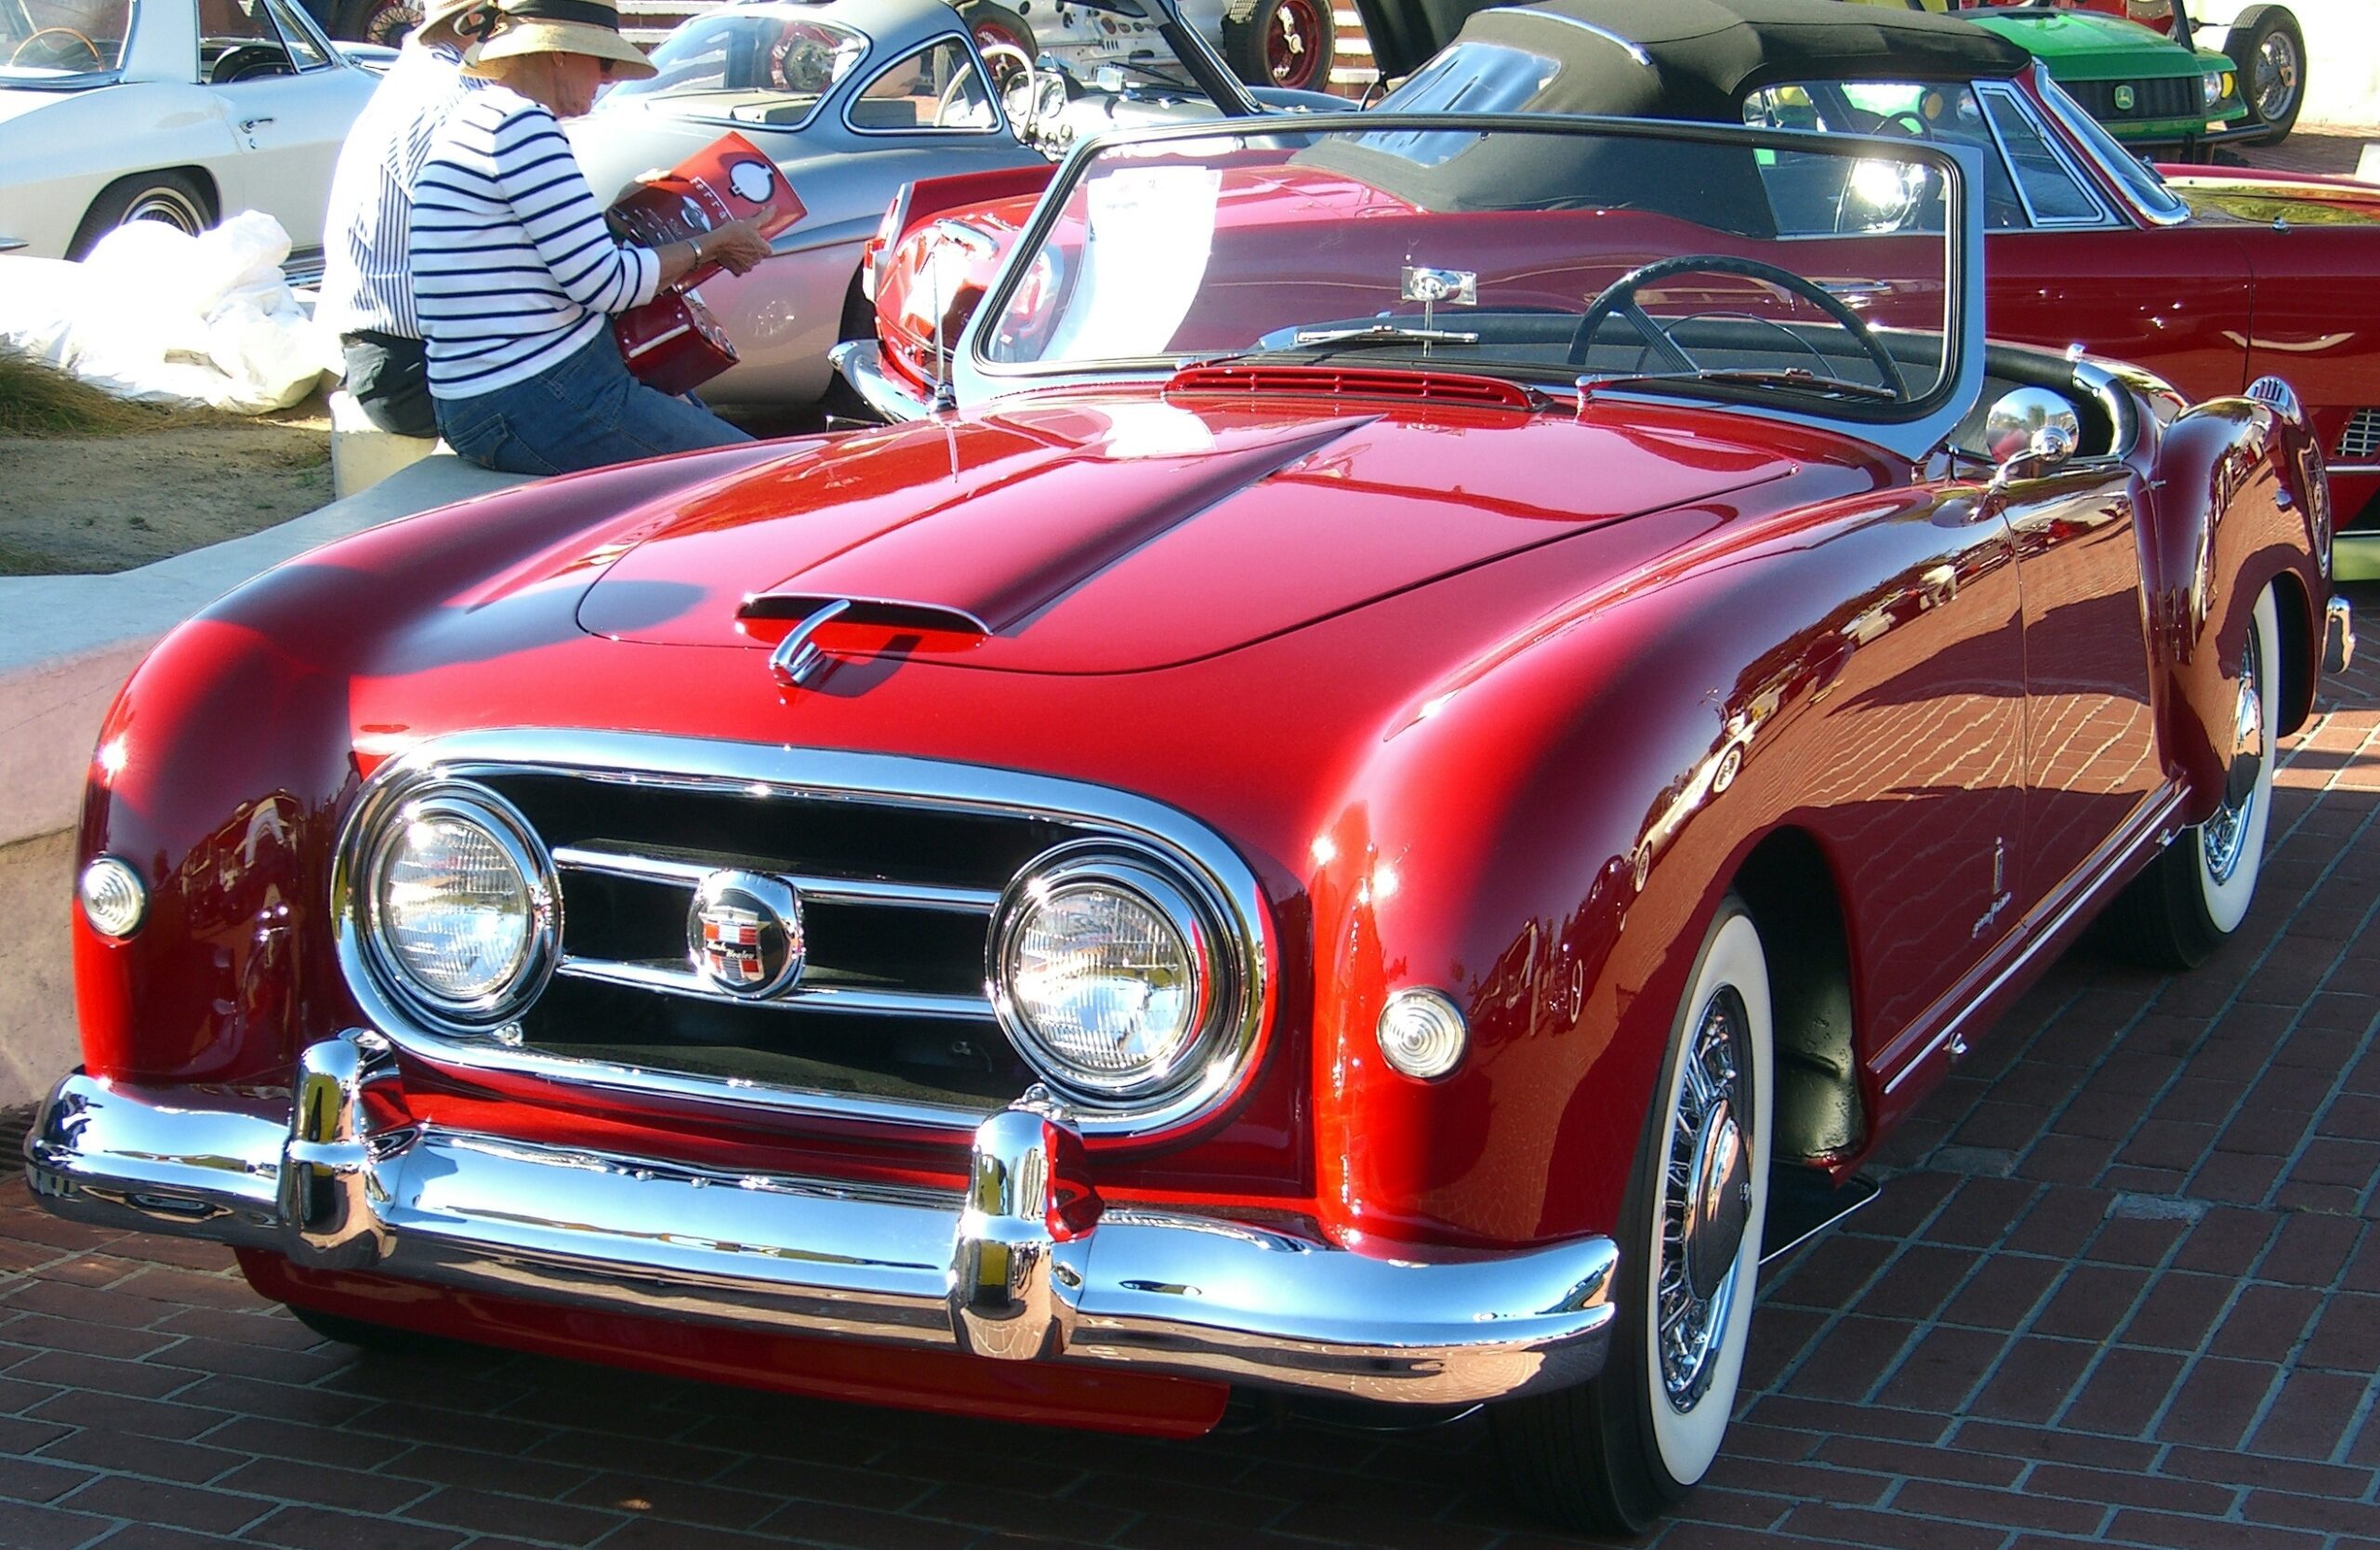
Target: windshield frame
(1910,430)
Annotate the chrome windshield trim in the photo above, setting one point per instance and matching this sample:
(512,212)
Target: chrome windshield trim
(779,770)
(979,381)
(689,867)
(2056,101)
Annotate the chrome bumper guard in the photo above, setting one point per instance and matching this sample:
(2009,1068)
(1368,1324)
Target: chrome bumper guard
(2338,636)
(859,362)
(1014,1269)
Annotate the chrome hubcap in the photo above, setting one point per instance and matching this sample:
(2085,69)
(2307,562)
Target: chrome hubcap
(2224,835)
(1706,1200)
(2275,77)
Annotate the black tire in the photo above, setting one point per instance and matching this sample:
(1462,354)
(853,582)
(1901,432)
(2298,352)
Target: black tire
(1298,59)
(2272,57)
(381,21)
(2198,890)
(1609,1456)
(172,197)
(988,22)
(359,1333)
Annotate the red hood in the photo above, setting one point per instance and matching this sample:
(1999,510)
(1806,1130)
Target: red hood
(1143,532)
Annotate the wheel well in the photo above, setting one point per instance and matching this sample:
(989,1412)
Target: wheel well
(1790,891)
(2294,613)
(198,175)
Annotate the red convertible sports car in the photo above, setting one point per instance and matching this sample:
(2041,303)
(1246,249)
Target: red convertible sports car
(1464,736)
(2207,279)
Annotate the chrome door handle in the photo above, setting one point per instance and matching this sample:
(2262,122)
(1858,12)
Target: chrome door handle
(248,125)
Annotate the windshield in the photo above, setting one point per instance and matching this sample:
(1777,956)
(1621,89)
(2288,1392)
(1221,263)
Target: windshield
(61,42)
(753,64)
(1661,258)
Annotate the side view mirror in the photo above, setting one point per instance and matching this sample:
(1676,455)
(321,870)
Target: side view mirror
(2029,432)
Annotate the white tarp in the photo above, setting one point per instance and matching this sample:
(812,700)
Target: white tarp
(159,316)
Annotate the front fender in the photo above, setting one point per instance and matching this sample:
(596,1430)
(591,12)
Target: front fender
(2239,501)
(226,760)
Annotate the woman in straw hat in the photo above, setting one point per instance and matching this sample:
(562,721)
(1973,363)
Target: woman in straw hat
(514,274)
(368,287)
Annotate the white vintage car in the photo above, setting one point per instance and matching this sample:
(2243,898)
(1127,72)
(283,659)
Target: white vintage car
(179,111)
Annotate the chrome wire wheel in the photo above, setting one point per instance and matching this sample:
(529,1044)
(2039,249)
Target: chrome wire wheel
(2224,837)
(2278,71)
(2231,843)
(1706,1197)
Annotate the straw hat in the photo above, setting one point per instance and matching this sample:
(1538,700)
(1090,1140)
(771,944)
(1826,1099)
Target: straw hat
(592,27)
(439,18)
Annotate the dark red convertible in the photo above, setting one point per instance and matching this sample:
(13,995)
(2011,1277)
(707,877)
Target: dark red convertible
(1464,732)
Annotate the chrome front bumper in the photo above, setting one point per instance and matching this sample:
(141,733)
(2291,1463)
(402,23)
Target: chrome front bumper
(1015,1269)
(859,362)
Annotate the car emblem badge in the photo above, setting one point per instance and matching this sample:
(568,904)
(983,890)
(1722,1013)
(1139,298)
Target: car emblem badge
(2126,98)
(744,933)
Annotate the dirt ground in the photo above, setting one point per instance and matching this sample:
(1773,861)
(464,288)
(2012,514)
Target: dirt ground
(109,503)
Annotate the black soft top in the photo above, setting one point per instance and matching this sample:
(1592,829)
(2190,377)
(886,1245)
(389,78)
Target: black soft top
(1693,59)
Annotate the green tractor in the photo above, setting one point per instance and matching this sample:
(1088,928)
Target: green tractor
(2150,84)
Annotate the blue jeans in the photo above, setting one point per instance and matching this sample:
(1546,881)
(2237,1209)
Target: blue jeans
(583,412)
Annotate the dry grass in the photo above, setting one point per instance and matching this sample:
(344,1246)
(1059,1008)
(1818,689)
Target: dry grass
(38,400)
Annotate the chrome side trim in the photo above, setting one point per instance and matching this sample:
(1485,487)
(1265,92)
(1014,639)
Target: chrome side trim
(2354,467)
(675,980)
(765,771)
(690,869)
(1025,1265)
(2036,931)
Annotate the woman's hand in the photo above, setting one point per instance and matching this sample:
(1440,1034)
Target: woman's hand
(736,247)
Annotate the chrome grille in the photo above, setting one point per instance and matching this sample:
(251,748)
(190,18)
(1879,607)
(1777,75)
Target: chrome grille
(899,864)
(2359,443)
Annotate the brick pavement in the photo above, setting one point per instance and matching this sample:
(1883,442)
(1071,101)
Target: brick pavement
(2124,1285)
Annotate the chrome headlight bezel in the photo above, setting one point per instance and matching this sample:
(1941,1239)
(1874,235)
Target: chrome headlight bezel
(377,847)
(1210,1055)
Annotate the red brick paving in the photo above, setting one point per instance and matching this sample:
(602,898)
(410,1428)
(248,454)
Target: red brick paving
(2123,1287)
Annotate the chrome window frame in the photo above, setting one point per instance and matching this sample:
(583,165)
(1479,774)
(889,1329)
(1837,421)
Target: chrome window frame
(999,125)
(869,43)
(330,58)
(2081,143)
(691,763)
(2007,93)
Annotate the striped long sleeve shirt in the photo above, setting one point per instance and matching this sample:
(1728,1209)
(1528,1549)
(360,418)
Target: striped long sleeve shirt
(514,268)
(366,282)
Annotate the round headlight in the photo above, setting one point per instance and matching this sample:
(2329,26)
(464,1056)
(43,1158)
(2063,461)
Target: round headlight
(1103,972)
(461,907)
(2211,87)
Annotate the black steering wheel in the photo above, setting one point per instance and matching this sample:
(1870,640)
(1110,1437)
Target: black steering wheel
(1620,299)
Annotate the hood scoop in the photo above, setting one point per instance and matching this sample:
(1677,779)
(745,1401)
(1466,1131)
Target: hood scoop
(799,654)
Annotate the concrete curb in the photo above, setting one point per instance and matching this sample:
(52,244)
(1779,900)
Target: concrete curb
(68,642)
